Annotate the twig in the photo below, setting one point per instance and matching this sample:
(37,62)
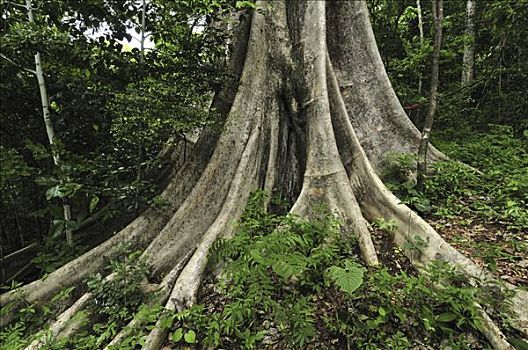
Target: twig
(16,64)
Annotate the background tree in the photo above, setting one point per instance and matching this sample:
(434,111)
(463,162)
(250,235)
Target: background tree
(469,46)
(50,130)
(438,14)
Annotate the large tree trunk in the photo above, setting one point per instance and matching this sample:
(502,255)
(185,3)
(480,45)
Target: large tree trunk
(311,118)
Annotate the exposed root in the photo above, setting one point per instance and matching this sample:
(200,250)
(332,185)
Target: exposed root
(158,334)
(188,283)
(376,201)
(64,318)
(186,287)
(325,180)
(74,271)
(490,330)
(161,296)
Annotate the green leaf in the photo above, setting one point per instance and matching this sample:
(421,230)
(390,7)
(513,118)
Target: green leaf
(446,317)
(288,265)
(255,255)
(283,269)
(190,337)
(245,4)
(93,203)
(71,225)
(423,207)
(177,335)
(56,228)
(382,311)
(348,279)
(53,192)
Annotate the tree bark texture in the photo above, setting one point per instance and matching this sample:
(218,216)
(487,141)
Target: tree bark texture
(468,62)
(310,116)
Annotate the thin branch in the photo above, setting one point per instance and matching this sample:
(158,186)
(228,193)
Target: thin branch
(16,64)
(15,4)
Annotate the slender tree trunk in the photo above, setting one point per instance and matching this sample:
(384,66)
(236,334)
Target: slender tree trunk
(142,43)
(141,147)
(48,123)
(469,44)
(438,15)
(420,81)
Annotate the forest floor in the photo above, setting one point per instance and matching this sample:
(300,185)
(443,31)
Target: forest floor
(501,251)
(488,220)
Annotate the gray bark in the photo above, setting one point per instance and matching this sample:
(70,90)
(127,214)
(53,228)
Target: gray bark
(382,127)
(468,62)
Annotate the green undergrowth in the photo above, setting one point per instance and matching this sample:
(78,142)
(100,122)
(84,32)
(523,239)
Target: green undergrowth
(495,194)
(287,283)
(113,305)
(483,207)
(282,283)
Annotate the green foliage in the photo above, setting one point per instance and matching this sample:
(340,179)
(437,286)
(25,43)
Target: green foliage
(117,298)
(401,309)
(399,166)
(497,93)
(245,4)
(29,319)
(16,182)
(399,178)
(385,225)
(151,111)
(292,283)
(349,278)
(55,253)
(115,301)
(113,108)
(189,337)
(288,283)
(454,189)
(270,256)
